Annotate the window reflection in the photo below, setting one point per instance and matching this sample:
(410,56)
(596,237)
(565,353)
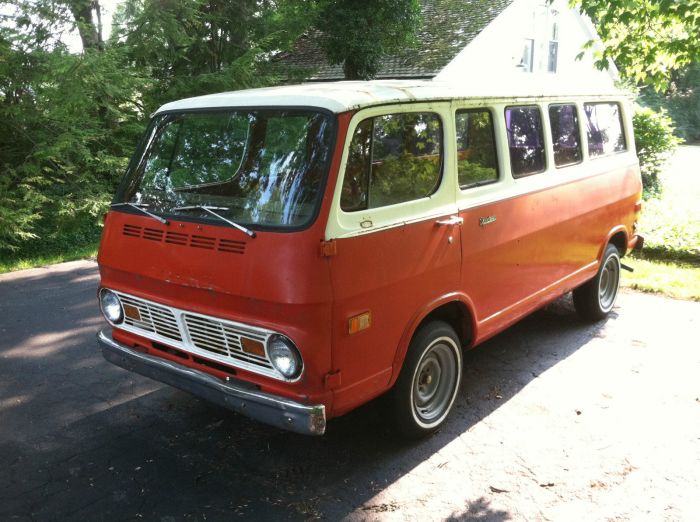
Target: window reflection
(391,159)
(604,128)
(566,138)
(476,152)
(525,140)
(263,166)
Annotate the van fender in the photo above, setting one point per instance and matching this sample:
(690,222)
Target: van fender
(418,318)
(614,231)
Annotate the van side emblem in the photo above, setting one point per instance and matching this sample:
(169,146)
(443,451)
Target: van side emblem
(483,221)
(367,223)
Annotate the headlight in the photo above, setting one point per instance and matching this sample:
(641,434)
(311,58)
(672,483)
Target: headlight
(111,306)
(284,356)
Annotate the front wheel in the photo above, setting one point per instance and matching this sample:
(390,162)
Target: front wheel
(429,380)
(595,299)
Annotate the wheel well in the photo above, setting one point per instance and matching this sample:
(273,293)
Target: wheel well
(456,315)
(620,241)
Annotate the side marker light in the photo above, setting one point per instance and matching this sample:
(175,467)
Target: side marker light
(359,322)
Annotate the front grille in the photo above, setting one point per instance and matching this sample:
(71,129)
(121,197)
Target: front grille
(197,334)
(218,337)
(151,318)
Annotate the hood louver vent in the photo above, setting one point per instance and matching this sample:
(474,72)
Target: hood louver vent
(181,239)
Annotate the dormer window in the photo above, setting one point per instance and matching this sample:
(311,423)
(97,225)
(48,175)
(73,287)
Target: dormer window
(527,58)
(553,54)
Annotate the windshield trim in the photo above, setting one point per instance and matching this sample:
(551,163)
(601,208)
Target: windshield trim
(145,141)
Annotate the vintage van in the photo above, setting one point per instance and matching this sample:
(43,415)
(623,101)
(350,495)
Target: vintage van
(291,253)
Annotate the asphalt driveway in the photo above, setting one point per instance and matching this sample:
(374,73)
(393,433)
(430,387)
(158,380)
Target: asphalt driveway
(556,420)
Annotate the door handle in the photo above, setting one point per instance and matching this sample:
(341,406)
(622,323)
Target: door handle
(451,221)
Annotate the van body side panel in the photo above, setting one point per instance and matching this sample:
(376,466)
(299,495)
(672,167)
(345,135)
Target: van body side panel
(542,243)
(390,273)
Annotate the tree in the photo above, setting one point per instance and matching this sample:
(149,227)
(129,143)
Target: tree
(88,20)
(71,121)
(647,39)
(357,34)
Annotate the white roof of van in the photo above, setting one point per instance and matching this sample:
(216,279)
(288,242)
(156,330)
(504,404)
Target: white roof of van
(350,95)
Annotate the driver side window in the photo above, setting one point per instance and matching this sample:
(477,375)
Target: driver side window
(392,158)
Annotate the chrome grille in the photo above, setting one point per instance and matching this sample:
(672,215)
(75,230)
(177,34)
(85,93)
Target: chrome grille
(218,337)
(210,337)
(153,318)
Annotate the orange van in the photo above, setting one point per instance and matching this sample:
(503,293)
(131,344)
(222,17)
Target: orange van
(291,253)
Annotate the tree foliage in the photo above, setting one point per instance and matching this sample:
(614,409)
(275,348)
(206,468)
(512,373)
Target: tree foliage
(358,35)
(681,101)
(654,141)
(646,39)
(71,121)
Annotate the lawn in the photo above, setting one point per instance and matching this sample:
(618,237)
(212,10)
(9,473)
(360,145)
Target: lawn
(675,279)
(671,223)
(670,261)
(11,263)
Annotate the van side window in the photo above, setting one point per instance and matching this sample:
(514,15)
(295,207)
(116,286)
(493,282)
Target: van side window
(605,131)
(525,140)
(476,150)
(392,159)
(566,138)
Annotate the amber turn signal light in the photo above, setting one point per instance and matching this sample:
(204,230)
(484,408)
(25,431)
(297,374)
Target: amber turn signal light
(132,312)
(253,347)
(360,322)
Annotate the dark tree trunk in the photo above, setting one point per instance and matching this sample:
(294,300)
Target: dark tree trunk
(90,34)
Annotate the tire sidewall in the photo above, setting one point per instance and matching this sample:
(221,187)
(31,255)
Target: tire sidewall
(610,252)
(424,339)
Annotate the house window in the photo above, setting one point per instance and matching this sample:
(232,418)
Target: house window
(525,140)
(528,55)
(476,150)
(393,158)
(553,49)
(566,138)
(605,130)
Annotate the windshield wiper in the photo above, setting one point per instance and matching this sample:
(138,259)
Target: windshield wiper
(138,206)
(211,210)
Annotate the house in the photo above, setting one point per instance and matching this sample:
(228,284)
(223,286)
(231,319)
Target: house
(461,39)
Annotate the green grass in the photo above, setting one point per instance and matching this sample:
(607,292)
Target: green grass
(670,261)
(671,278)
(670,224)
(11,263)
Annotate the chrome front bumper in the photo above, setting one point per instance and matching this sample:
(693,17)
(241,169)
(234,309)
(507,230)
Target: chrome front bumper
(263,407)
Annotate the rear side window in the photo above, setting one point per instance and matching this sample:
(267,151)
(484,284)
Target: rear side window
(604,126)
(525,140)
(566,138)
(392,159)
(476,150)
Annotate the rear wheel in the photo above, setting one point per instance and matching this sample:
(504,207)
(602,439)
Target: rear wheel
(595,299)
(429,380)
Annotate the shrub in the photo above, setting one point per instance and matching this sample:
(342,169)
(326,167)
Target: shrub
(654,140)
(682,102)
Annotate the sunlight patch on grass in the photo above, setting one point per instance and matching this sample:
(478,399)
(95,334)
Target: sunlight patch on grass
(12,264)
(673,279)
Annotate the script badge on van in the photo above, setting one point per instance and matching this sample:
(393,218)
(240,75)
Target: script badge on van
(483,221)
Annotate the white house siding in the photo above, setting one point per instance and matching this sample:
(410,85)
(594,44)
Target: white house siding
(499,47)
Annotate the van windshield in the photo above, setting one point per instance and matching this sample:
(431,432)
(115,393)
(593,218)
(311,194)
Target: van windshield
(256,167)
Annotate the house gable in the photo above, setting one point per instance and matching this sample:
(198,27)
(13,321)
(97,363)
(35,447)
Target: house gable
(530,36)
